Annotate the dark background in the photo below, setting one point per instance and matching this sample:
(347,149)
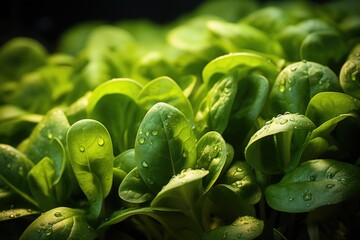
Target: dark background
(44,20)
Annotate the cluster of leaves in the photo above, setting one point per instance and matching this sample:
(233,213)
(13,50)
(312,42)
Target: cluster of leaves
(238,121)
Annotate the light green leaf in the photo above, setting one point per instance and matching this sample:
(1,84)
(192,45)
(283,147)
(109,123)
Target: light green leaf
(114,104)
(60,223)
(91,157)
(41,181)
(38,145)
(243,228)
(313,184)
(165,89)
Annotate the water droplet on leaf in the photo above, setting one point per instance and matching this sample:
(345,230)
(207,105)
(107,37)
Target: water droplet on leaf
(154,133)
(307,196)
(291,199)
(82,149)
(100,141)
(58,214)
(144,164)
(49,135)
(142,140)
(330,185)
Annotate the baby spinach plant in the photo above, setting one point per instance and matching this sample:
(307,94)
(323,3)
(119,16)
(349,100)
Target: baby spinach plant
(236,122)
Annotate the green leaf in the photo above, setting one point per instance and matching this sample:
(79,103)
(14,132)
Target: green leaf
(38,145)
(14,167)
(91,157)
(114,104)
(186,186)
(165,145)
(315,47)
(125,160)
(211,155)
(243,63)
(41,181)
(243,228)
(236,37)
(60,223)
(228,205)
(14,213)
(133,188)
(278,145)
(241,180)
(164,89)
(327,105)
(350,76)
(297,84)
(313,184)
(172,222)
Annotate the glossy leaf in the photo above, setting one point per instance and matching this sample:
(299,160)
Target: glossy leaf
(133,189)
(125,160)
(243,228)
(211,155)
(297,84)
(313,184)
(165,145)
(14,213)
(53,125)
(241,179)
(278,145)
(186,185)
(164,89)
(243,63)
(327,105)
(91,157)
(14,167)
(60,223)
(114,104)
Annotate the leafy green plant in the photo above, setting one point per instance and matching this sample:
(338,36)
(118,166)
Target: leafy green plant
(236,122)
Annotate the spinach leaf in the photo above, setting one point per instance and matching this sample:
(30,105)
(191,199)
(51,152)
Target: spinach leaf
(164,89)
(14,167)
(313,184)
(350,76)
(243,228)
(278,145)
(297,84)
(211,155)
(60,223)
(38,145)
(91,157)
(165,145)
(133,189)
(114,104)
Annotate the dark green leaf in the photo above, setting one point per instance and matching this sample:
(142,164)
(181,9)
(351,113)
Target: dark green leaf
(313,184)
(165,145)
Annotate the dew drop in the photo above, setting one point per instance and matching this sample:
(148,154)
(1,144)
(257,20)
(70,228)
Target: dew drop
(282,88)
(100,141)
(18,214)
(239,169)
(307,196)
(283,121)
(293,69)
(312,178)
(291,199)
(21,171)
(48,231)
(330,185)
(330,175)
(184,154)
(49,135)
(142,140)
(147,133)
(154,133)
(170,115)
(58,214)
(144,164)
(82,149)
(12,216)
(140,131)
(304,61)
